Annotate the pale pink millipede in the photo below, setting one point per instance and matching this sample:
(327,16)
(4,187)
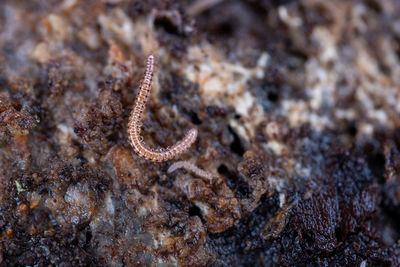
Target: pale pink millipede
(136,118)
(191,167)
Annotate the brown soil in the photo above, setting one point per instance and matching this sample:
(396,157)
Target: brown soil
(297,105)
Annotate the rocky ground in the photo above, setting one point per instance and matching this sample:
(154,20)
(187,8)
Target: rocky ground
(297,105)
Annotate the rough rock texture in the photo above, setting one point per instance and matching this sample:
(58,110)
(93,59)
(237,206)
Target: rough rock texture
(297,105)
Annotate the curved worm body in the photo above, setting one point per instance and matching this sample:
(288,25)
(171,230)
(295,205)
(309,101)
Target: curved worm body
(136,118)
(191,167)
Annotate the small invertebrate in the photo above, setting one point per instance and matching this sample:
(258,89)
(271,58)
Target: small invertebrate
(136,118)
(190,166)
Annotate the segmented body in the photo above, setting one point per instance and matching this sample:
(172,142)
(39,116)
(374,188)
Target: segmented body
(191,167)
(136,118)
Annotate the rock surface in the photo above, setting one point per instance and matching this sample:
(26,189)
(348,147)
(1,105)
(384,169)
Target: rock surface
(297,105)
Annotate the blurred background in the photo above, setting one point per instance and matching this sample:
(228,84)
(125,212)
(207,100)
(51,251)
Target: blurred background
(297,105)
